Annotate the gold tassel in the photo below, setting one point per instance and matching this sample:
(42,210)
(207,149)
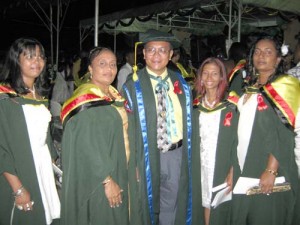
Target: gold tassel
(135,68)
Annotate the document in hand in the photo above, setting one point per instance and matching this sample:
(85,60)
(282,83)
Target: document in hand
(222,195)
(245,183)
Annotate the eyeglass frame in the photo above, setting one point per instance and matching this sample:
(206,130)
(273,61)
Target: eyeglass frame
(162,51)
(32,57)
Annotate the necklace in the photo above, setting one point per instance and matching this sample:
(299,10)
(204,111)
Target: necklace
(32,91)
(210,105)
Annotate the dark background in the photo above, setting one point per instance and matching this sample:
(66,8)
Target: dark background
(19,19)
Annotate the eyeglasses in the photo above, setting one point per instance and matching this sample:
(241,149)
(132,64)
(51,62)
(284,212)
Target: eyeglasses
(161,51)
(103,64)
(31,57)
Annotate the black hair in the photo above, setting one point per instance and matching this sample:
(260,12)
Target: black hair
(11,72)
(252,77)
(95,52)
(237,52)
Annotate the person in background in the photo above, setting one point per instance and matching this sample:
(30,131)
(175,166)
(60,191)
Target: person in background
(63,86)
(159,106)
(95,148)
(80,69)
(214,141)
(267,149)
(28,191)
(235,67)
(295,71)
(126,69)
(180,62)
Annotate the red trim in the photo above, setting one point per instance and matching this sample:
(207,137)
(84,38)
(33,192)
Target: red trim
(75,102)
(236,68)
(233,99)
(277,98)
(5,89)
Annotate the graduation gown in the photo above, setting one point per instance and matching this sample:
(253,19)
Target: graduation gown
(270,135)
(225,151)
(235,77)
(140,212)
(16,158)
(92,149)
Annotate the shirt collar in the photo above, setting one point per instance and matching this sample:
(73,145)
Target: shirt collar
(163,75)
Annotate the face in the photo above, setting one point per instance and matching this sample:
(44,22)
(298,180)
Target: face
(32,64)
(211,76)
(130,58)
(265,58)
(157,55)
(103,69)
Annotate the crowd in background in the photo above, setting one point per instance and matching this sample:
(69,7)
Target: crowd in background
(224,123)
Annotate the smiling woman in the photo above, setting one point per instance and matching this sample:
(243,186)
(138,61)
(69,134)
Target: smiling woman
(95,148)
(26,147)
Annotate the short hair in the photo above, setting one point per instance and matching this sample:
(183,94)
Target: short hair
(222,87)
(237,52)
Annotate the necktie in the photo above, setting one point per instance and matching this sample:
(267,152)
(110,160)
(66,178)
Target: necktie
(163,134)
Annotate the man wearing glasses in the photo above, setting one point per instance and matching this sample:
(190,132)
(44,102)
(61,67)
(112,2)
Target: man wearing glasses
(159,112)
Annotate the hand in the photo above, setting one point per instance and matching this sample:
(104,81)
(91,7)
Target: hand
(266,182)
(229,180)
(113,193)
(23,201)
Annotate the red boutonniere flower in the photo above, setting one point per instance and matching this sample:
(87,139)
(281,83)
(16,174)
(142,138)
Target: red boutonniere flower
(127,107)
(196,101)
(261,104)
(227,120)
(177,89)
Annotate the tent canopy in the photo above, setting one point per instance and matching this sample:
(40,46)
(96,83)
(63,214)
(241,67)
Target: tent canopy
(197,16)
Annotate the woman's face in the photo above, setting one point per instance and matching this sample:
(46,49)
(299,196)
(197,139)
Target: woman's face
(265,58)
(211,76)
(32,64)
(103,69)
(157,55)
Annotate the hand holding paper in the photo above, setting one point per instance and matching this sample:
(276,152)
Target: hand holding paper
(222,195)
(245,183)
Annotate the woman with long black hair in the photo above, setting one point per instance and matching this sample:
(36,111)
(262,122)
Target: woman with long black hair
(269,120)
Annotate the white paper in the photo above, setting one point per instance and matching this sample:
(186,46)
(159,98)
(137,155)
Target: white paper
(245,183)
(222,196)
(219,187)
(57,170)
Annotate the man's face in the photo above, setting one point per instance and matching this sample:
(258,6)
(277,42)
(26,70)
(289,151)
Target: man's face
(157,55)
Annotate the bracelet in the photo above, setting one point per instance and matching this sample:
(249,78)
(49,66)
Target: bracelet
(107,180)
(275,173)
(19,192)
